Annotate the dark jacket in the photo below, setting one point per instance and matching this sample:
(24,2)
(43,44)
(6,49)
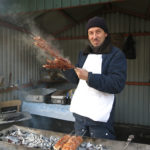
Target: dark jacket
(111,80)
(113,77)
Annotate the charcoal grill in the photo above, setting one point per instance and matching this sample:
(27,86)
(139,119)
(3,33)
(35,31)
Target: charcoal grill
(107,144)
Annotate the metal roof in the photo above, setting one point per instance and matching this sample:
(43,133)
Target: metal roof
(56,16)
(17,6)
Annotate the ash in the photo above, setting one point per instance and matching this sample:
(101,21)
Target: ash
(33,140)
(90,146)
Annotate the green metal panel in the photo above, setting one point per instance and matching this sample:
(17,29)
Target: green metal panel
(95,1)
(40,4)
(104,1)
(48,4)
(16,6)
(6,6)
(57,4)
(32,5)
(75,3)
(66,3)
(25,5)
(84,2)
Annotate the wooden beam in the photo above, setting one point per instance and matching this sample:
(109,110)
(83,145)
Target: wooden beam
(10,25)
(81,20)
(106,8)
(75,22)
(68,16)
(124,34)
(137,34)
(129,12)
(138,83)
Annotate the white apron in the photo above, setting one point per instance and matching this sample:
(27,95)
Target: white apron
(88,101)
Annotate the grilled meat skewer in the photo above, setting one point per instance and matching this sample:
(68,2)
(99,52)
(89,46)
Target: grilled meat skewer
(73,143)
(61,142)
(59,62)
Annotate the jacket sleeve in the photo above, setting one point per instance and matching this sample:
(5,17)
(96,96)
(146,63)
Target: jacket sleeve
(70,74)
(113,80)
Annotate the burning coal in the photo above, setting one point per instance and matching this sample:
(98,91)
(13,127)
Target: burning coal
(32,140)
(27,139)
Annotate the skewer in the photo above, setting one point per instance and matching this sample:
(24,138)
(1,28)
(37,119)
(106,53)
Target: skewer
(69,141)
(59,62)
(130,138)
(72,143)
(32,35)
(72,132)
(59,144)
(83,133)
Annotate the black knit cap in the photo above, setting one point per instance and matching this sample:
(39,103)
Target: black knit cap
(97,22)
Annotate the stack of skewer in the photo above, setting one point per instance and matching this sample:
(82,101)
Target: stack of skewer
(58,61)
(68,142)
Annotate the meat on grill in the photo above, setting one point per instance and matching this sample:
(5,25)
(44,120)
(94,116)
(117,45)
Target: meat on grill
(72,143)
(61,142)
(33,140)
(58,63)
(68,142)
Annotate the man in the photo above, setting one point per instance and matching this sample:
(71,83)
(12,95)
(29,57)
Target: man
(100,74)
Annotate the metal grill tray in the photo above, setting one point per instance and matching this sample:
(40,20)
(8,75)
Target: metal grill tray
(39,94)
(14,117)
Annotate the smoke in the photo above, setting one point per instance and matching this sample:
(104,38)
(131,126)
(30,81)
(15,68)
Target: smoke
(13,13)
(27,23)
(32,30)
(41,54)
(9,11)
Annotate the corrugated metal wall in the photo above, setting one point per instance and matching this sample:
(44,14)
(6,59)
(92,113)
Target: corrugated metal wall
(16,6)
(133,103)
(18,63)
(17,58)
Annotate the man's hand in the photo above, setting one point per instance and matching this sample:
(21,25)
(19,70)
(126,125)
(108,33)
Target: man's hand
(81,73)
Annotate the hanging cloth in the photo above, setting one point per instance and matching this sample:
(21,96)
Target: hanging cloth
(129,45)
(129,48)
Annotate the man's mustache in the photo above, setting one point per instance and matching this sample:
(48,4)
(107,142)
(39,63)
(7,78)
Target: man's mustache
(95,39)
